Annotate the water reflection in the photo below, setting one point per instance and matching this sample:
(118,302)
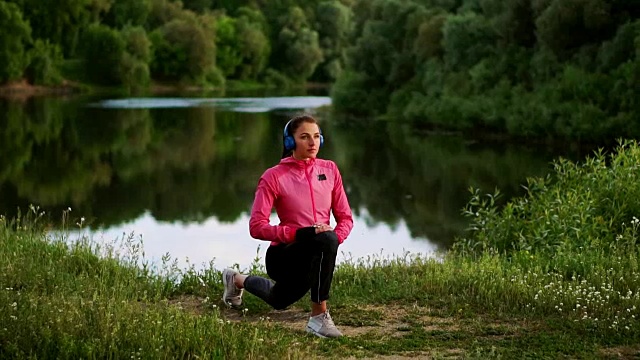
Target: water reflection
(184,177)
(228,243)
(398,174)
(241,104)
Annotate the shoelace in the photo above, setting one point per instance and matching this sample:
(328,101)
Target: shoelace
(327,318)
(237,293)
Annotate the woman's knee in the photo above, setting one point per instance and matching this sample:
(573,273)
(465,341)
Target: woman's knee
(329,240)
(284,298)
(279,304)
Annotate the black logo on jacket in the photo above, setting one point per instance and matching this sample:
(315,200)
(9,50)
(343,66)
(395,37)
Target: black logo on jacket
(322,177)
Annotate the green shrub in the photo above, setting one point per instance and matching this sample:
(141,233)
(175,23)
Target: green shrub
(45,62)
(15,34)
(584,206)
(276,79)
(103,51)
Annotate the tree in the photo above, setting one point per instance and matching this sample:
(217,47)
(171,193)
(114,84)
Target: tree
(254,47)
(566,25)
(134,64)
(15,35)
(298,49)
(467,39)
(621,48)
(45,59)
(184,49)
(59,21)
(102,53)
(128,12)
(228,56)
(428,42)
(164,11)
(334,25)
(302,53)
(198,6)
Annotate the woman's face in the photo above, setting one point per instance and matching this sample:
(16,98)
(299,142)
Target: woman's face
(307,137)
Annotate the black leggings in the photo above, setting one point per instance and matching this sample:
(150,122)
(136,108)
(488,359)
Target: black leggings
(297,268)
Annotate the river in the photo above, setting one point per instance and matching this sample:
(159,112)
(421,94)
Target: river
(178,173)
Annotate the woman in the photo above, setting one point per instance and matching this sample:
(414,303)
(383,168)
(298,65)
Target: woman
(303,249)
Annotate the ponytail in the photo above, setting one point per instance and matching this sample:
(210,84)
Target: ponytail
(286,153)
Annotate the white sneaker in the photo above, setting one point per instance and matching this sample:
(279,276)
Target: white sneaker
(232,294)
(322,325)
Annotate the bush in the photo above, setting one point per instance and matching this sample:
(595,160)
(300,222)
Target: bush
(583,207)
(44,67)
(215,78)
(134,65)
(133,72)
(137,43)
(276,79)
(103,51)
(351,95)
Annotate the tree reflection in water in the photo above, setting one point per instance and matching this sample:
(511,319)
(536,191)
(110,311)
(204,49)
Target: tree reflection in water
(192,164)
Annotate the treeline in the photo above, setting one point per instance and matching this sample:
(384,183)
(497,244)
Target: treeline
(567,69)
(203,42)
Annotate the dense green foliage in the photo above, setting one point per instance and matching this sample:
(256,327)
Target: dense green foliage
(191,42)
(528,68)
(584,208)
(13,55)
(578,228)
(544,69)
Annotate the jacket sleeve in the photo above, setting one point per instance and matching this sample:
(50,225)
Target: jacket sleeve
(259,226)
(341,209)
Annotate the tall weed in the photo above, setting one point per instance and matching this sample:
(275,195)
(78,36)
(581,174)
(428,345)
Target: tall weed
(63,299)
(569,246)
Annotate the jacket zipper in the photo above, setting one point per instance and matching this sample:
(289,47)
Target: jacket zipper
(313,200)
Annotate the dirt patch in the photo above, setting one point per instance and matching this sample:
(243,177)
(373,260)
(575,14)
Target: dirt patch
(451,354)
(622,352)
(432,323)
(493,329)
(413,355)
(290,316)
(377,321)
(21,90)
(391,321)
(189,303)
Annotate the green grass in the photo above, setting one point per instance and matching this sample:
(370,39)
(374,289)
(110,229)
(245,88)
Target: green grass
(540,292)
(78,305)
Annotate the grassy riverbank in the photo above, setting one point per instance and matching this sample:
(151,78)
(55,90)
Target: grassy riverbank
(551,275)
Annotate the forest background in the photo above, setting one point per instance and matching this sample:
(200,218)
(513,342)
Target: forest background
(540,69)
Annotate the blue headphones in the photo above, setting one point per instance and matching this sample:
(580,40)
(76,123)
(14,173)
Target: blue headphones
(290,143)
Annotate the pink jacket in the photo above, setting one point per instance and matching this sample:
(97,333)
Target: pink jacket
(303,193)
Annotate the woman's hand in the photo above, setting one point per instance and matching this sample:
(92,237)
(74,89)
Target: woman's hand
(307,233)
(322,227)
